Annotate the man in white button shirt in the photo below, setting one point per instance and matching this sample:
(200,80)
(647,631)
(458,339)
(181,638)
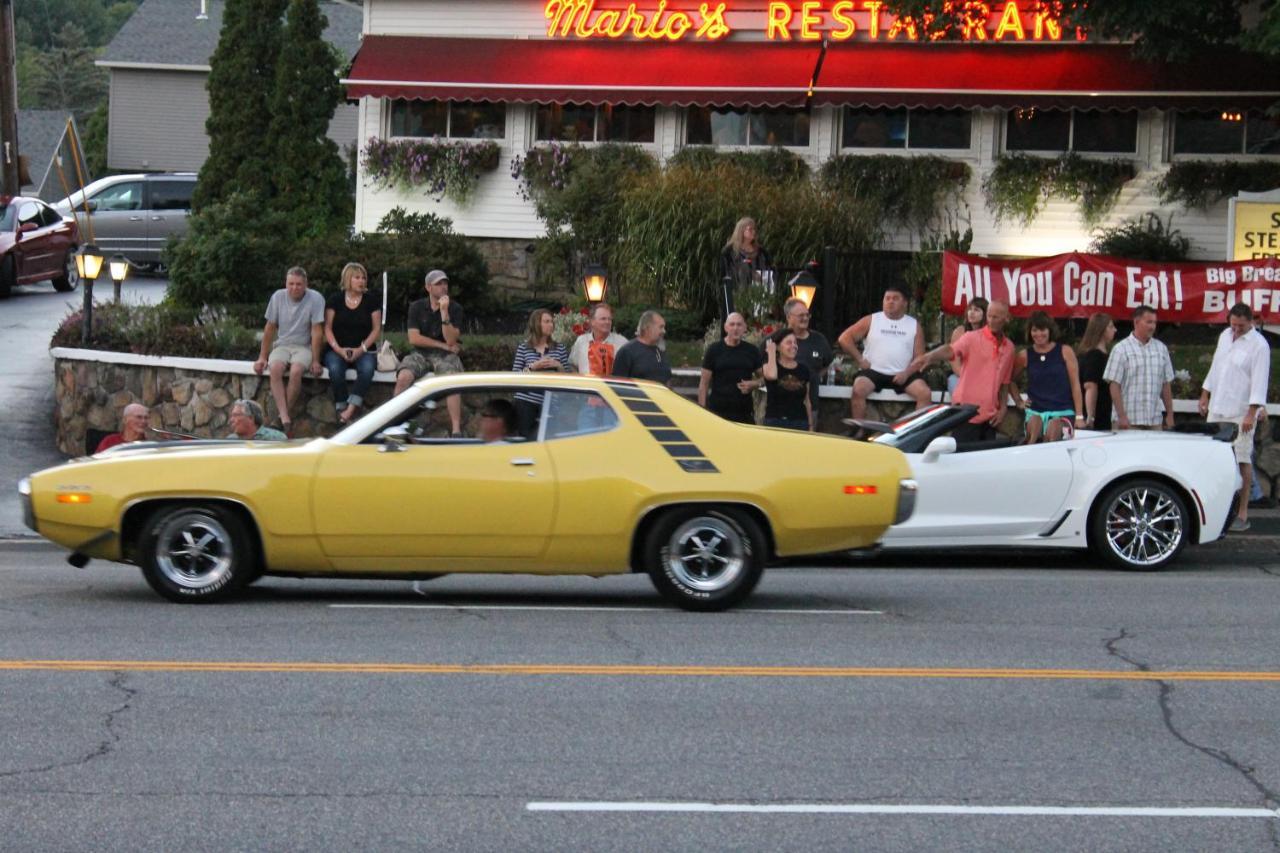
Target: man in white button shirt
(1236,389)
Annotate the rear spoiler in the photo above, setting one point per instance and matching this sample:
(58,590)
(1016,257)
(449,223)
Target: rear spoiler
(1219,430)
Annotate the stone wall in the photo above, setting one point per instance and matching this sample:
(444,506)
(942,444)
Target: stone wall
(187,395)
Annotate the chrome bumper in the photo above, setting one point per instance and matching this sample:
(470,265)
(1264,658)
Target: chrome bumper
(907,490)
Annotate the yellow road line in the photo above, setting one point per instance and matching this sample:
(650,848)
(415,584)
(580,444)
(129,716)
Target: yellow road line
(625,670)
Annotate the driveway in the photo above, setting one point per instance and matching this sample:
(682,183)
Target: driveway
(28,320)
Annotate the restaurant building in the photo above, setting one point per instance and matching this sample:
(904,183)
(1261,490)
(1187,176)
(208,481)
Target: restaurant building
(820,78)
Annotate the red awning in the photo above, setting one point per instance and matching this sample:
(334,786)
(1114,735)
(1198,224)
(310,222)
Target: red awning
(1090,76)
(776,74)
(751,74)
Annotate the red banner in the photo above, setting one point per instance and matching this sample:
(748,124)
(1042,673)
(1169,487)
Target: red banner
(1077,285)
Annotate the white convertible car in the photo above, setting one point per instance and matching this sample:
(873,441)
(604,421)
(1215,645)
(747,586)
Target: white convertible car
(1134,498)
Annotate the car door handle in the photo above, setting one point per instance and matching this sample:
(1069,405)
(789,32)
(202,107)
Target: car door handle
(135,218)
(157,219)
(522,461)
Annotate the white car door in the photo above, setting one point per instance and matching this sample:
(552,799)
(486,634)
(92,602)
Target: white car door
(987,496)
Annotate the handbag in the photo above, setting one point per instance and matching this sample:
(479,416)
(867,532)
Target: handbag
(387,361)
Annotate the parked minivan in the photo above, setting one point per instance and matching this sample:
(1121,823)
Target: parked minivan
(134,215)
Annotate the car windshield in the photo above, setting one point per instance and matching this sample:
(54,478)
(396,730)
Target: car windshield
(7,213)
(906,425)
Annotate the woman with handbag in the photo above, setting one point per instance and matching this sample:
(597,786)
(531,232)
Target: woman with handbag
(352,322)
(539,352)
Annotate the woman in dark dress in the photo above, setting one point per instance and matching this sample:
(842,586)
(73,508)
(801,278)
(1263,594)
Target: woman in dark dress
(1095,390)
(1053,382)
(351,324)
(742,258)
(787,381)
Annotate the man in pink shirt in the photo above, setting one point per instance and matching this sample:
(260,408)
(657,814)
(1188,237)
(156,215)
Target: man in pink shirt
(987,356)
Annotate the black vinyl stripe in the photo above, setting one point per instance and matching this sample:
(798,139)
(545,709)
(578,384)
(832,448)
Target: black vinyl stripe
(653,421)
(629,391)
(643,406)
(686,451)
(698,466)
(669,435)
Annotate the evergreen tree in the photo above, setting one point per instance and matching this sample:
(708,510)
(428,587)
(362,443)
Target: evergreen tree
(309,177)
(240,87)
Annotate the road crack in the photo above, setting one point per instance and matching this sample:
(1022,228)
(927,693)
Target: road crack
(104,748)
(1270,797)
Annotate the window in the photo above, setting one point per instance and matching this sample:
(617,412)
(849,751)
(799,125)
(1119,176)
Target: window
(571,413)
(715,126)
(455,119)
(883,127)
(1034,129)
(586,123)
(1225,133)
(49,216)
(171,195)
(124,196)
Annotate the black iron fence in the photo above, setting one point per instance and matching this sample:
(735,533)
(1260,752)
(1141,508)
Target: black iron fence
(852,285)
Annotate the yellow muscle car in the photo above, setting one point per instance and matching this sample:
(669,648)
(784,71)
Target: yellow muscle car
(614,476)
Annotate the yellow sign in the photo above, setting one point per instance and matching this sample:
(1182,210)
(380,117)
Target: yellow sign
(1256,232)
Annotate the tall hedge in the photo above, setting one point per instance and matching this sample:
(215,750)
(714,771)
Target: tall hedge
(241,81)
(308,175)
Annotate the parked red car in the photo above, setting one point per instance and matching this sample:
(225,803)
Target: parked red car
(36,244)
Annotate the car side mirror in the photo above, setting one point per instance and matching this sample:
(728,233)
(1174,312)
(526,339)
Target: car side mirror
(90,206)
(942,445)
(394,439)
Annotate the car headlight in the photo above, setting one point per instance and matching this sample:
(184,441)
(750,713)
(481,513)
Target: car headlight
(907,490)
(28,511)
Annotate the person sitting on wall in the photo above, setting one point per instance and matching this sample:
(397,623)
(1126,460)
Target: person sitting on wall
(246,423)
(435,331)
(292,340)
(133,427)
(890,338)
(497,421)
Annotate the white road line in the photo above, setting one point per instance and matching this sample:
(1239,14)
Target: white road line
(873,809)
(591,609)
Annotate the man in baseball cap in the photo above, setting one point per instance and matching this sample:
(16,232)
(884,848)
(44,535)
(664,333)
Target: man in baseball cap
(435,331)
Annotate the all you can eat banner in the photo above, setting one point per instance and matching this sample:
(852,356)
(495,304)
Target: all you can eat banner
(1077,285)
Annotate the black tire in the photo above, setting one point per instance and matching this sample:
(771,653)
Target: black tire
(196,553)
(705,558)
(70,277)
(1139,525)
(8,277)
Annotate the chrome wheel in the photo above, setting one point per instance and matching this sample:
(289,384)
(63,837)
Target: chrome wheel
(70,277)
(706,554)
(1145,525)
(194,550)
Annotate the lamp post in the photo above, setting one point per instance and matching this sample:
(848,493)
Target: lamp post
(595,282)
(119,272)
(804,287)
(88,265)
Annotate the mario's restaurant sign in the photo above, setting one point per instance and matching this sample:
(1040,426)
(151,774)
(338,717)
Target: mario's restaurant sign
(785,20)
(1077,285)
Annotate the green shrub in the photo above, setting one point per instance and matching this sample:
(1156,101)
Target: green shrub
(777,165)
(236,251)
(681,325)
(909,191)
(495,356)
(1199,184)
(1020,184)
(164,329)
(1146,238)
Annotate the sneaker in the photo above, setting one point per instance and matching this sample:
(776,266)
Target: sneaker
(1238,525)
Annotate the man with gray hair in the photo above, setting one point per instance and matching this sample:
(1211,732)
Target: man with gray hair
(292,339)
(133,427)
(643,358)
(246,423)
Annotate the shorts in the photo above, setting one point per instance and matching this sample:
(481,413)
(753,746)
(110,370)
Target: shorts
(290,354)
(882,381)
(1048,416)
(1243,445)
(421,363)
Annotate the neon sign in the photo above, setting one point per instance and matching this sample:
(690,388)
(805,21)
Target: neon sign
(786,20)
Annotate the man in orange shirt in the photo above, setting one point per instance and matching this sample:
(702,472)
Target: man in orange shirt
(987,356)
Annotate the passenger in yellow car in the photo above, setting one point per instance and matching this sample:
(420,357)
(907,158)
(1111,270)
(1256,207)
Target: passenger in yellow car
(497,421)
(133,427)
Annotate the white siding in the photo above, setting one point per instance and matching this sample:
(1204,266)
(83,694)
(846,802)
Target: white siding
(156,121)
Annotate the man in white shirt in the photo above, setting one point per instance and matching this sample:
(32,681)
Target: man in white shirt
(1236,389)
(1140,372)
(891,339)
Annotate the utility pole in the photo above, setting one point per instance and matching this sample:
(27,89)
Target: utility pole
(9,167)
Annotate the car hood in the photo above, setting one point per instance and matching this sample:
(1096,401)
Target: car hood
(194,447)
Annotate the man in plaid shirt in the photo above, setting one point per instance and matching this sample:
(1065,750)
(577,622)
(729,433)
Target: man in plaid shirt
(1140,371)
